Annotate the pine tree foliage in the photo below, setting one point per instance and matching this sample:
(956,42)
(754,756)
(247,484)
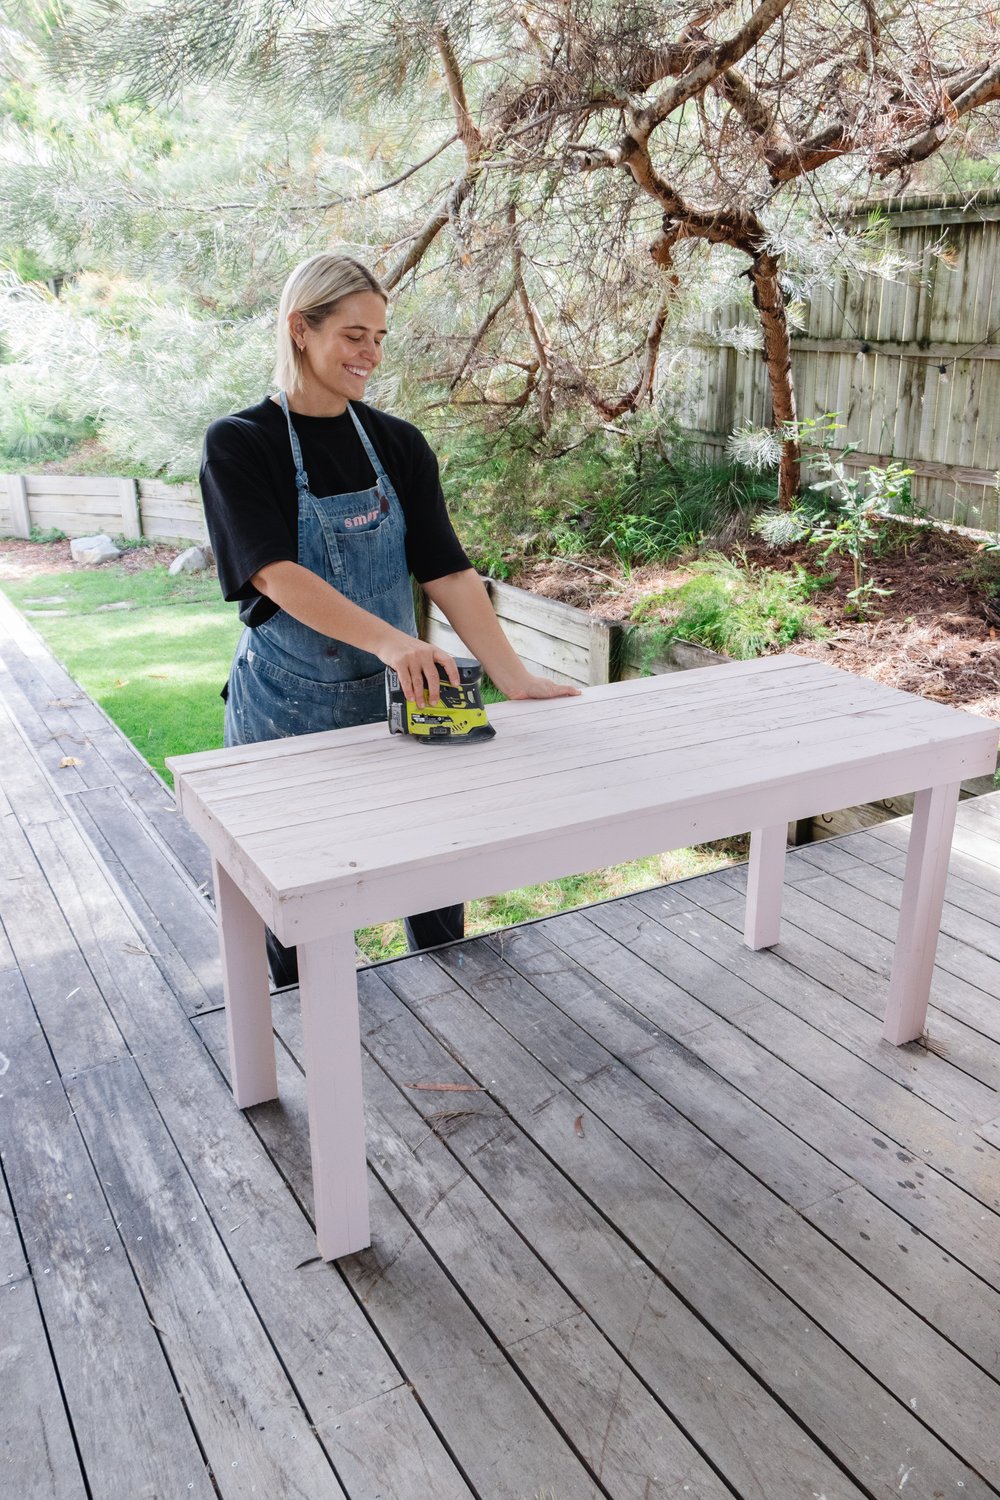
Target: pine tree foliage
(551,189)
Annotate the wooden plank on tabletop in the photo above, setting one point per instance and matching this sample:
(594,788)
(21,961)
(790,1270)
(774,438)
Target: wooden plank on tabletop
(739,1304)
(128,1422)
(794,1097)
(363,1412)
(503,1442)
(390,837)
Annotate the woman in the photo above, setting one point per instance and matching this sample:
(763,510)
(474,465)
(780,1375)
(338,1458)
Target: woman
(319,508)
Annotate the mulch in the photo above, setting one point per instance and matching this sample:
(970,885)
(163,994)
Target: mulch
(21,559)
(936,632)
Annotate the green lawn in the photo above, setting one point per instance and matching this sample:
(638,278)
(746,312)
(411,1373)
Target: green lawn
(154,652)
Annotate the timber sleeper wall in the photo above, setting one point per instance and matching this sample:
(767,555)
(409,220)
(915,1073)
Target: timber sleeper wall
(80,505)
(566,643)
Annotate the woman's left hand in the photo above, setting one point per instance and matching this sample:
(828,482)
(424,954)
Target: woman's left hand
(528,686)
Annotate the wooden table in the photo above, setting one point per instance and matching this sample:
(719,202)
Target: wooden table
(323,833)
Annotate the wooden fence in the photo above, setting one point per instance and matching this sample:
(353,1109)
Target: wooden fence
(912,365)
(82,506)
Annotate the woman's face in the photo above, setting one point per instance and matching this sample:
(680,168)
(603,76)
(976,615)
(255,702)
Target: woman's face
(339,355)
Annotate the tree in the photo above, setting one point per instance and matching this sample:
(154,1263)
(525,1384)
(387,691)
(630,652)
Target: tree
(594,151)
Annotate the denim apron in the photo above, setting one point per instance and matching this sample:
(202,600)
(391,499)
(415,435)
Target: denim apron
(288,679)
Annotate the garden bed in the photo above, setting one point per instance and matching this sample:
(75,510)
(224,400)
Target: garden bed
(936,632)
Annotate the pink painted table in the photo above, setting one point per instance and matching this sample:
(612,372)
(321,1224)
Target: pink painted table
(323,833)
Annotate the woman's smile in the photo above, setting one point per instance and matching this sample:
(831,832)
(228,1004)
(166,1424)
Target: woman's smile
(343,352)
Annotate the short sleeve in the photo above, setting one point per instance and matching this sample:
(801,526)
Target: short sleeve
(432,548)
(248,525)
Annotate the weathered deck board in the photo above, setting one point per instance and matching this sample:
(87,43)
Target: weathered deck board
(223,1300)
(745,1213)
(37,1456)
(697,1232)
(89,1300)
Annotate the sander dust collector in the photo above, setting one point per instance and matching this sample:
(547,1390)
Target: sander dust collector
(458,719)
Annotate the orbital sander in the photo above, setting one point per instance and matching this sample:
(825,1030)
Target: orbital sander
(458,719)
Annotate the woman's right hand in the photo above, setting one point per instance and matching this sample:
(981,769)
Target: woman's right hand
(416,665)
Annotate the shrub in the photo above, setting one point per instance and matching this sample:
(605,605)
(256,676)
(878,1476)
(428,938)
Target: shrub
(734,607)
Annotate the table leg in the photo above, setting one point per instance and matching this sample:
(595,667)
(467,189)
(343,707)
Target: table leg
(920,912)
(328,987)
(248,1000)
(765,879)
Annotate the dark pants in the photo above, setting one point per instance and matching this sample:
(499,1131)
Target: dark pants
(425,930)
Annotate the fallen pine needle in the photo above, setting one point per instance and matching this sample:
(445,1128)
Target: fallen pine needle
(448,1088)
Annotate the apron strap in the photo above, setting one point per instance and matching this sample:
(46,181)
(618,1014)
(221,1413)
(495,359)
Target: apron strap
(301,477)
(367,444)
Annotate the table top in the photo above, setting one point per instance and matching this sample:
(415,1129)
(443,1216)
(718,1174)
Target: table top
(776,738)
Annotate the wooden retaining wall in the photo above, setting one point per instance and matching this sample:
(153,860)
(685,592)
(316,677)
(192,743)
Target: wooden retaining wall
(911,365)
(81,505)
(566,643)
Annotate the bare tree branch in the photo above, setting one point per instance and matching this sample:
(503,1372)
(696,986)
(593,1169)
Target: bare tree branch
(480,334)
(714,61)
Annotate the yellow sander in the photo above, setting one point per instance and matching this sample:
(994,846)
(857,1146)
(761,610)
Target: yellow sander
(458,719)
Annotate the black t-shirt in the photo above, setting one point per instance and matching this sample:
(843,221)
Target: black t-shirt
(251,505)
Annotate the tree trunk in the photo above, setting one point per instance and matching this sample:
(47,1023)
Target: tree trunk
(769,301)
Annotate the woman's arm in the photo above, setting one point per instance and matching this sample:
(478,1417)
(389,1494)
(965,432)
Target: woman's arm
(307,597)
(463,599)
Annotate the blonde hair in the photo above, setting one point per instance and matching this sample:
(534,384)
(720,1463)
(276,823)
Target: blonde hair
(314,289)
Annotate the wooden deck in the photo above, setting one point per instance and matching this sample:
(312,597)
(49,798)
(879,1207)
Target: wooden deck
(680,1224)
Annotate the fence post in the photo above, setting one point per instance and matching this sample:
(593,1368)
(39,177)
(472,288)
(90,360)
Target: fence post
(128,499)
(600,652)
(17,495)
